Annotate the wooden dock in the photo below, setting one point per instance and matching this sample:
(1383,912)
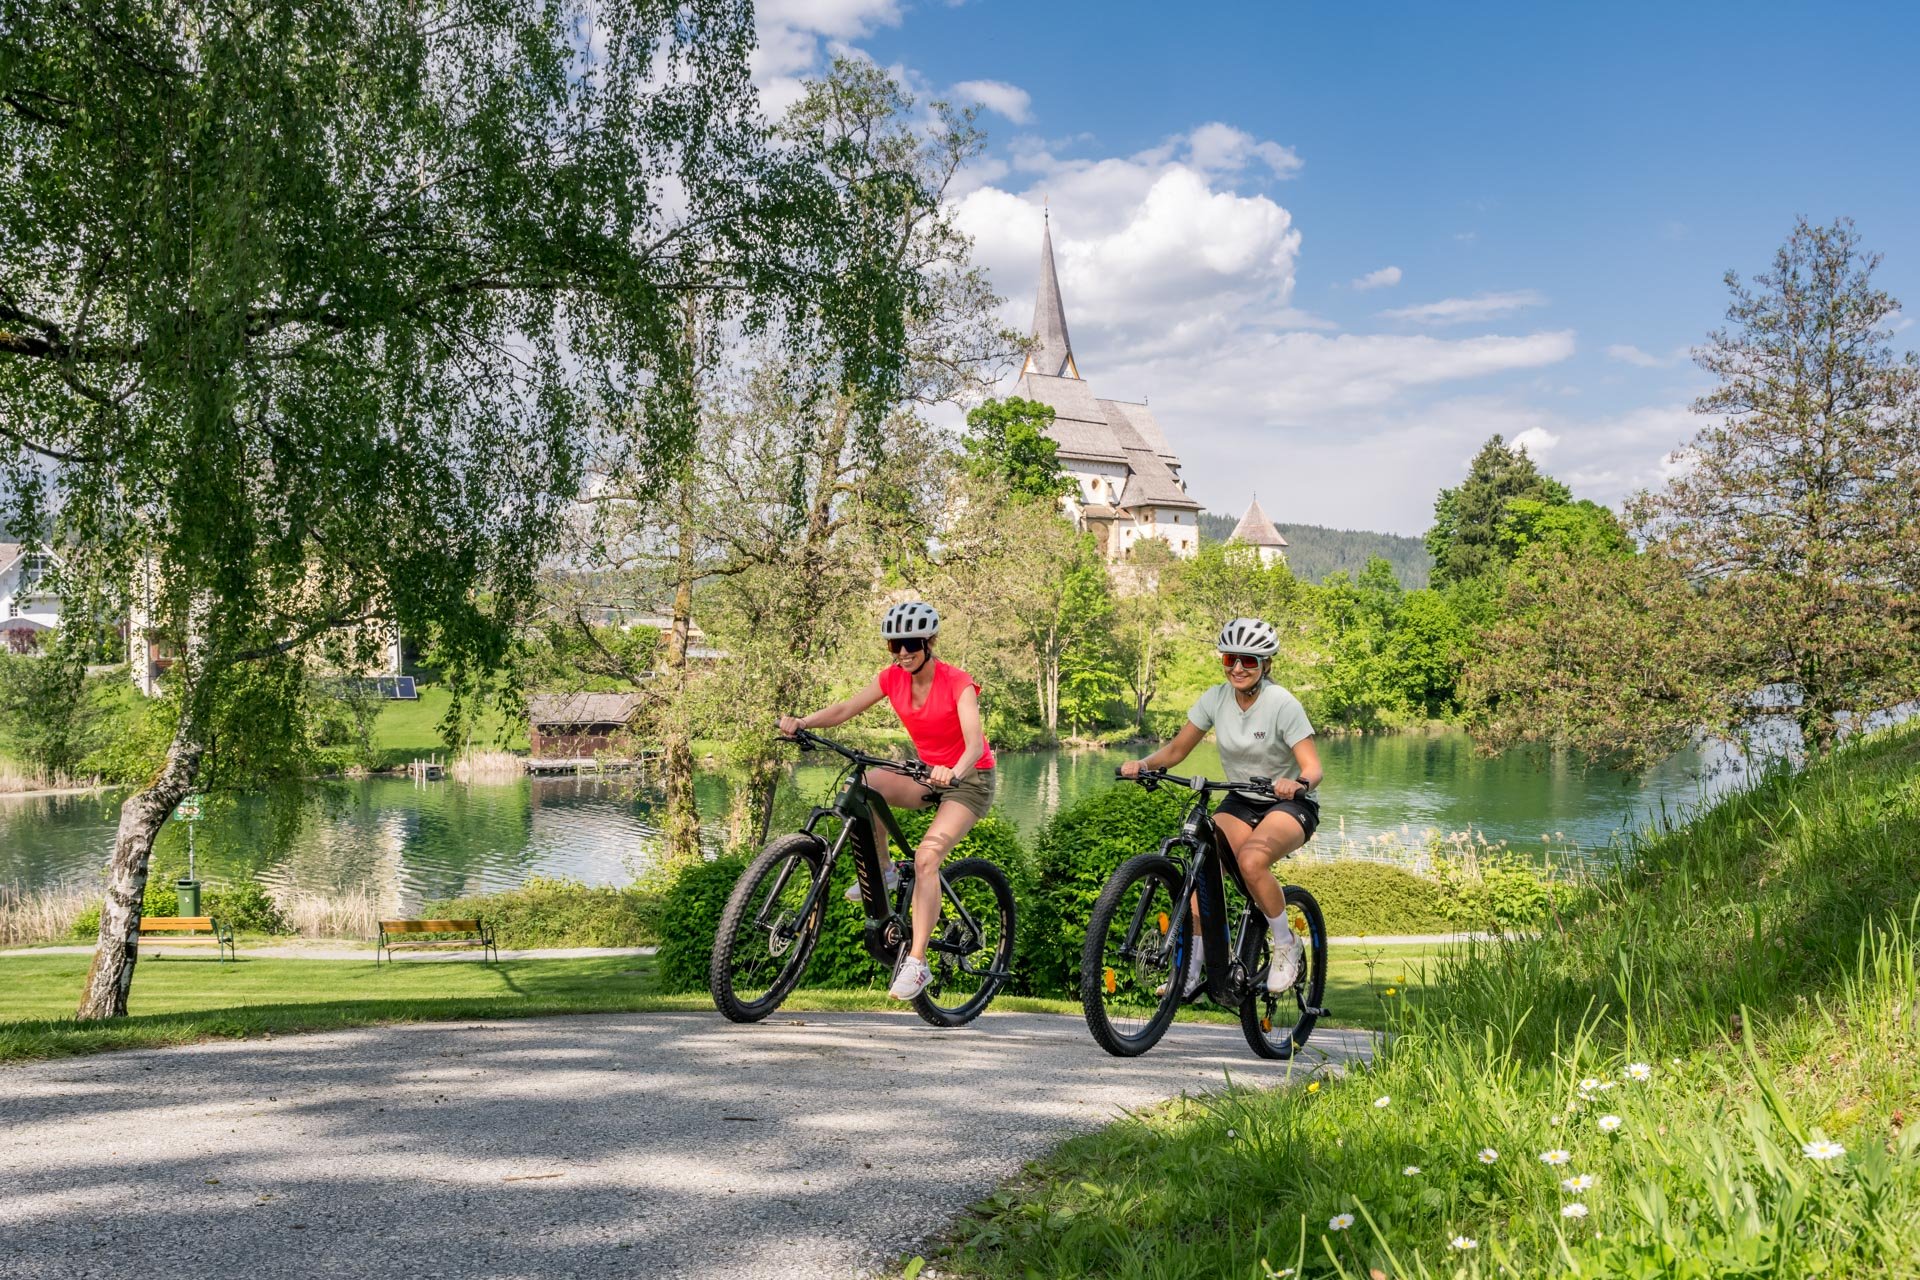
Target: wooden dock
(543,765)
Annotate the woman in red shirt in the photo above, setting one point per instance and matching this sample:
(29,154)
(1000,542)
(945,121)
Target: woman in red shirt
(939,705)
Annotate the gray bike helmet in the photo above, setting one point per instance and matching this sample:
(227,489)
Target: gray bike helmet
(910,620)
(1249,636)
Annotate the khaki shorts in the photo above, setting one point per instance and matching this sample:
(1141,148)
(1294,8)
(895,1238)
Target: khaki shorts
(974,791)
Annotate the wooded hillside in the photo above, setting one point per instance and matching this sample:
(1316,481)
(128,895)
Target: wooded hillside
(1314,551)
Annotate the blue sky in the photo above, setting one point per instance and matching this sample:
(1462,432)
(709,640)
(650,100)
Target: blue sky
(1336,246)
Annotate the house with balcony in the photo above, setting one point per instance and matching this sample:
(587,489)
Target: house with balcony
(29,608)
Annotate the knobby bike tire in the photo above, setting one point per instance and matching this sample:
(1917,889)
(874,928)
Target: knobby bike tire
(996,956)
(1277,1024)
(739,930)
(1105,976)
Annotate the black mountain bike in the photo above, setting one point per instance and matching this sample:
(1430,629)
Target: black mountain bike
(773,918)
(1134,963)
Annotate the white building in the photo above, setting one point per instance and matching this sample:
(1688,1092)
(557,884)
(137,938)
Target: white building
(1128,475)
(27,608)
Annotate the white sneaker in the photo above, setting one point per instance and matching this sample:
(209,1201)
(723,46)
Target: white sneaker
(1196,977)
(853,890)
(910,979)
(1288,956)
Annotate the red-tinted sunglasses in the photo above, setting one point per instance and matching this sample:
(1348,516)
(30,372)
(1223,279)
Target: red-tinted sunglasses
(1232,660)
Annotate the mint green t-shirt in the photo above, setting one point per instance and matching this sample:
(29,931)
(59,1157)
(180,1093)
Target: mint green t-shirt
(1257,742)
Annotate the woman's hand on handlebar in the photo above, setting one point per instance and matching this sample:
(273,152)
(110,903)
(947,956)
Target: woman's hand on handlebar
(790,725)
(1131,768)
(940,776)
(1290,788)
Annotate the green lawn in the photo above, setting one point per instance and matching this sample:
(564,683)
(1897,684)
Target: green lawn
(179,998)
(407,730)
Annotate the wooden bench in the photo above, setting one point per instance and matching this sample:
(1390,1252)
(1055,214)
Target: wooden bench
(185,931)
(401,935)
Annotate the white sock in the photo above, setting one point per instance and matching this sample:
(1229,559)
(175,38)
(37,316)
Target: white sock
(1281,929)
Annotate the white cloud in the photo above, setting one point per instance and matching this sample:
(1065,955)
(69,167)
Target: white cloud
(1485,306)
(1628,354)
(1384,278)
(791,34)
(841,19)
(1899,322)
(1011,101)
(1221,148)
(1537,441)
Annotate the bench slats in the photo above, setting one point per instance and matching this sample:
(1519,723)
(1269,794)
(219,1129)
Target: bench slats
(162,924)
(430,926)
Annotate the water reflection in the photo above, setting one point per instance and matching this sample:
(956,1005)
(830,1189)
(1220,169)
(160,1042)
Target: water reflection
(409,843)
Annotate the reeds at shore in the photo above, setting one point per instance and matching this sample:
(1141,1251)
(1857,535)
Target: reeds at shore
(488,766)
(343,913)
(41,915)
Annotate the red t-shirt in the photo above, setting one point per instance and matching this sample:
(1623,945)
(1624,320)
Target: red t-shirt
(934,727)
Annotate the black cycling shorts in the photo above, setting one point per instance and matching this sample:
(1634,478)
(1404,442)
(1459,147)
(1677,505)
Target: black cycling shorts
(1304,811)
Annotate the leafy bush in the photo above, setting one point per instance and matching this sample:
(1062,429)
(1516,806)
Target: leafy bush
(1370,897)
(690,911)
(1076,852)
(558,912)
(1503,889)
(244,906)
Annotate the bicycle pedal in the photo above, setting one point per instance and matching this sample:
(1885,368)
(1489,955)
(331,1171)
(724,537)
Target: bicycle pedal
(1318,1013)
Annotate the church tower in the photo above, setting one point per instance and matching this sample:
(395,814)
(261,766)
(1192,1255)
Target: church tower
(1052,354)
(1127,485)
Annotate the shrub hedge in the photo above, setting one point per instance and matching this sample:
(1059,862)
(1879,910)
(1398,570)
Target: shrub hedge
(244,906)
(690,910)
(558,912)
(1370,897)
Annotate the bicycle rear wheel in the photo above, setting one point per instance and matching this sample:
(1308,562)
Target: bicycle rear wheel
(970,956)
(763,946)
(1278,1023)
(1130,967)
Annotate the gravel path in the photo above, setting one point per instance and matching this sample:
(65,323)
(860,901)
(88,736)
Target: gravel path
(629,1145)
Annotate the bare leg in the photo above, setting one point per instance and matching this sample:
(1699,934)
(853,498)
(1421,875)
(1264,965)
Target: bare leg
(949,828)
(1257,849)
(900,792)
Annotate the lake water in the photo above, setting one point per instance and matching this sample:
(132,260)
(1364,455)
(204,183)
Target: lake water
(411,842)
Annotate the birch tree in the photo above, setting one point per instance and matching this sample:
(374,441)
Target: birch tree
(304,307)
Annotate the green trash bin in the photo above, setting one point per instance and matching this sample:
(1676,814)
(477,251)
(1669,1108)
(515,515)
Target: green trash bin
(188,892)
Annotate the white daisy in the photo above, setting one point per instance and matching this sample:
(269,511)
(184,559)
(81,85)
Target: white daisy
(1823,1150)
(1383,1101)
(1574,1210)
(1609,1123)
(1589,1084)
(1412,1171)
(1464,1243)
(1639,1071)
(1578,1182)
(1340,1222)
(1557,1156)
(1488,1155)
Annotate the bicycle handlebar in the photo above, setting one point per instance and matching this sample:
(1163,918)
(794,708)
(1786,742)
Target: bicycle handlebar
(808,740)
(1152,778)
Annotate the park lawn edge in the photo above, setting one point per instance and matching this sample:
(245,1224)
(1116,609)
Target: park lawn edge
(1768,1110)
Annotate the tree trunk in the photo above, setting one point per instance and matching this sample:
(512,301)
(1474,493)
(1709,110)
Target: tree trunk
(681,818)
(141,818)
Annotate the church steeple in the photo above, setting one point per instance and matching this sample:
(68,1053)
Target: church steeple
(1052,352)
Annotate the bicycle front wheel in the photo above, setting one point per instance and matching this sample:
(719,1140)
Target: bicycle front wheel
(1131,966)
(1277,1023)
(970,950)
(763,945)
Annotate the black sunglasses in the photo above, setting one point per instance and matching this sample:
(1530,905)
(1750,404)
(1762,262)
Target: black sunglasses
(912,644)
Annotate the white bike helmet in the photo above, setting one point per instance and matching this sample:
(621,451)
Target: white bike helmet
(1249,636)
(910,620)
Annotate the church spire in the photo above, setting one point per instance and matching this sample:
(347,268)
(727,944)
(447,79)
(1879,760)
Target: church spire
(1052,352)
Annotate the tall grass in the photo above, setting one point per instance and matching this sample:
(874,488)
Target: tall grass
(488,766)
(1715,1056)
(16,778)
(340,913)
(42,915)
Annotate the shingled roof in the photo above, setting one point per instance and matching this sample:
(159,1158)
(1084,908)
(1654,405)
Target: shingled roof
(1255,530)
(581,708)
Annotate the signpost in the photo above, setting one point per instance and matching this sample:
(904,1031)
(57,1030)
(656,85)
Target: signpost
(188,890)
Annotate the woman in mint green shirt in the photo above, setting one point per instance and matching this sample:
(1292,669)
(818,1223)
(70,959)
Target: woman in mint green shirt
(1262,732)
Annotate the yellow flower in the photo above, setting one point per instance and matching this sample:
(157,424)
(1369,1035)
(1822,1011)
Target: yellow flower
(1389,991)
(1313,1086)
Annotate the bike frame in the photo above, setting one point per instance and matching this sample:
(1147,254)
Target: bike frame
(887,927)
(1207,868)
